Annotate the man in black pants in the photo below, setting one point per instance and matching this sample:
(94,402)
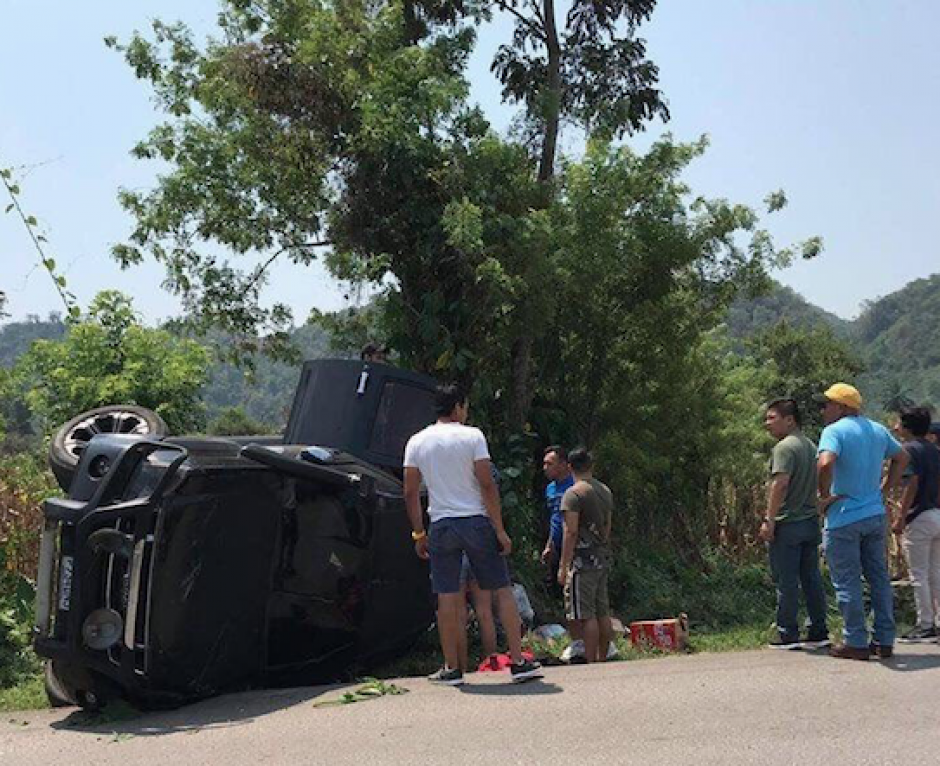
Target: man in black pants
(790,527)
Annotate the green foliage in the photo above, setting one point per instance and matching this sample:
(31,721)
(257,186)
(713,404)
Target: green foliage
(109,358)
(17,597)
(802,364)
(233,421)
(264,391)
(38,239)
(900,334)
(23,484)
(720,593)
(25,481)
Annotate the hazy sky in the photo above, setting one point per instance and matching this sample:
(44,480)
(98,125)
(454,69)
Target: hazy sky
(836,102)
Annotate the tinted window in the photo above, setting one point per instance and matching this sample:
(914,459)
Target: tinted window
(403,411)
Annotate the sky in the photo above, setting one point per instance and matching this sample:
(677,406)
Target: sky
(837,103)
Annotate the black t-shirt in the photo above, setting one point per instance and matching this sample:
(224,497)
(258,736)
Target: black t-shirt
(925,465)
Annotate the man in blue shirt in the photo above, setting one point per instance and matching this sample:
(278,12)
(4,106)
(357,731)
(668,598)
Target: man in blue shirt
(558,472)
(852,452)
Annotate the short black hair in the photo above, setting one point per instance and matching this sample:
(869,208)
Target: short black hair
(558,450)
(786,406)
(370,349)
(916,420)
(447,396)
(580,459)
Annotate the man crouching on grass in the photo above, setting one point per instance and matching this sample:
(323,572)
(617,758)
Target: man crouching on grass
(463,506)
(585,556)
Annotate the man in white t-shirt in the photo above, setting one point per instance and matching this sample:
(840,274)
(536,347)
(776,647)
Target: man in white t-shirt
(453,460)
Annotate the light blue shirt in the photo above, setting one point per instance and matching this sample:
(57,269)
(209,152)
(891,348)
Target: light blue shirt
(861,446)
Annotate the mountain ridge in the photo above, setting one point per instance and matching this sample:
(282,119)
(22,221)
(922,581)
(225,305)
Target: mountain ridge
(897,337)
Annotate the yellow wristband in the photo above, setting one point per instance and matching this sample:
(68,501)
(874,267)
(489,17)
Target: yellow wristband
(418,535)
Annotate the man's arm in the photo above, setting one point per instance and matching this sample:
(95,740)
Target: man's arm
(415,514)
(896,468)
(825,466)
(569,541)
(776,494)
(549,543)
(904,507)
(484,473)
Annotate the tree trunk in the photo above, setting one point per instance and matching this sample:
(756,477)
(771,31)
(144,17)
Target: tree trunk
(552,96)
(521,397)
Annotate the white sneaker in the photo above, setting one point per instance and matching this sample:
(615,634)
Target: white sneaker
(574,651)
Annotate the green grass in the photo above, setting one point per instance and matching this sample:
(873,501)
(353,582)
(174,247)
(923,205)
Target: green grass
(734,639)
(28,694)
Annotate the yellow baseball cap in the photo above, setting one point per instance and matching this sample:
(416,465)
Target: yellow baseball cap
(844,394)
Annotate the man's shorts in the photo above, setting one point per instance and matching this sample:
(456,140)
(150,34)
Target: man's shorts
(586,594)
(450,538)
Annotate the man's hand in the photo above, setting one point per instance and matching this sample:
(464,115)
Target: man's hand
(562,575)
(898,526)
(421,547)
(546,554)
(767,529)
(505,544)
(823,503)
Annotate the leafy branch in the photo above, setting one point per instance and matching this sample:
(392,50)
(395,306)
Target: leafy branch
(31,224)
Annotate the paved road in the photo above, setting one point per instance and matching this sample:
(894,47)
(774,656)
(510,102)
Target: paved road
(765,707)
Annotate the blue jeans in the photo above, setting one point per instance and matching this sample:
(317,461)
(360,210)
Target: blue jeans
(853,551)
(794,563)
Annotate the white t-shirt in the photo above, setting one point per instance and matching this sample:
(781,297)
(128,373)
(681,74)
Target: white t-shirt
(445,454)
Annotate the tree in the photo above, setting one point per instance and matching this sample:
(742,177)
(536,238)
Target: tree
(344,126)
(802,363)
(234,421)
(108,357)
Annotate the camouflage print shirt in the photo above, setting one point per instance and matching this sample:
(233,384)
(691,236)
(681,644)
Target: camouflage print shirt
(594,503)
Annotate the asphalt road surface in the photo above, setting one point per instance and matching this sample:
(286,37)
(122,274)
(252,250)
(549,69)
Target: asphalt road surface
(764,707)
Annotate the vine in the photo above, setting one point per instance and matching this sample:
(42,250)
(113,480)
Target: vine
(32,226)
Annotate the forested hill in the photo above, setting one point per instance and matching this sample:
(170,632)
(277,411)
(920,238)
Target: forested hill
(16,337)
(264,395)
(900,334)
(749,317)
(897,336)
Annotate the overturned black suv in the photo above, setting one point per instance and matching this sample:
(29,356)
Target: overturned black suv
(181,567)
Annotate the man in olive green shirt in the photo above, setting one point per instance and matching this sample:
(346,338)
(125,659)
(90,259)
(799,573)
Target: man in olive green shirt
(790,527)
(585,555)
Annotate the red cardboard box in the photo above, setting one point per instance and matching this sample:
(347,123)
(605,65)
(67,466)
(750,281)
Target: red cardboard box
(670,635)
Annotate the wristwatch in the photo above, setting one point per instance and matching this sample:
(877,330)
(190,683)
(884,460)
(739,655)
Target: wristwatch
(418,535)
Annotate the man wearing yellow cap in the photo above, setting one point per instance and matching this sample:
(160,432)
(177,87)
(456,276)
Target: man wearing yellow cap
(852,452)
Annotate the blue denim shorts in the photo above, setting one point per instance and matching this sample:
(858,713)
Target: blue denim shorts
(450,538)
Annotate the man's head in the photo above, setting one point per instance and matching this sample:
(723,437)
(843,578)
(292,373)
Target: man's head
(914,422)
(934,433)
(580,460)
(555,463)
(450,402)
(840,400)
(373,352)
(782,417)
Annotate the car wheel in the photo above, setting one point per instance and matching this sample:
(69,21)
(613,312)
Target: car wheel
(70,440)
(57,691)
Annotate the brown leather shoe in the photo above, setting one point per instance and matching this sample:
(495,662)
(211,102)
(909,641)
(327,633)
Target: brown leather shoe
(845,652)
(881,652)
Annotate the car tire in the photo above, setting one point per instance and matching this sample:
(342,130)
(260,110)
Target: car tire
(70,440)
(57,691)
